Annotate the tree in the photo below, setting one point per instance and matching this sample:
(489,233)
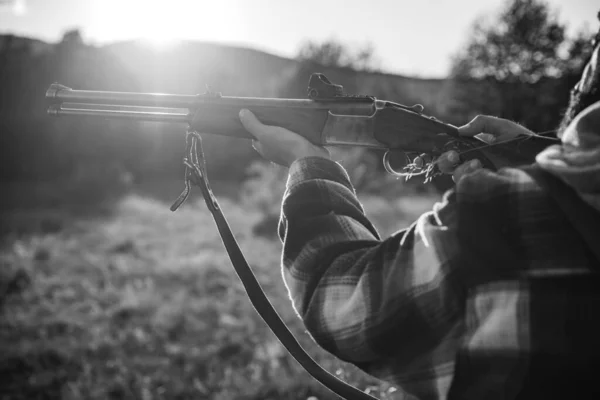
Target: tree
(72,37)
(522,44)
(332,53)
(518,65)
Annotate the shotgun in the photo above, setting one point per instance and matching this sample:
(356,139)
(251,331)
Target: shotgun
(329,117)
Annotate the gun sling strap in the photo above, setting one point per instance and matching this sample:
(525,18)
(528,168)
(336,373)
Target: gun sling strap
(195,173)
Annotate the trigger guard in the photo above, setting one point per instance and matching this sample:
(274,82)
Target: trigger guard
(388,167)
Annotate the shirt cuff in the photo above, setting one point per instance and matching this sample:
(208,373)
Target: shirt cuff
(308,168)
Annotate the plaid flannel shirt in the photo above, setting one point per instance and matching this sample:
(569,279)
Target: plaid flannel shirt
(492,295)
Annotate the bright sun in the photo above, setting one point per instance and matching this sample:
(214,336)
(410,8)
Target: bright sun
(162,22)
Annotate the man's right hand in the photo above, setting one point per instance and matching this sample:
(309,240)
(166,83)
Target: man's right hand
(491,130)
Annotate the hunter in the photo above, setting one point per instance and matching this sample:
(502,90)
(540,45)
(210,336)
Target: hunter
(494,294)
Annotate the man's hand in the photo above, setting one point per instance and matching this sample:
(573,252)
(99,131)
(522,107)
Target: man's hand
(278,144)
(489,129)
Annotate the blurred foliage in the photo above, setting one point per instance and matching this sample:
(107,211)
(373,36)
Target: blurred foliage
(522,44)
(142,303)
(518,65)
(333,53)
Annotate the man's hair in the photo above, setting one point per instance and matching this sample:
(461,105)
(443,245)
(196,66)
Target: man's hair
(583,96)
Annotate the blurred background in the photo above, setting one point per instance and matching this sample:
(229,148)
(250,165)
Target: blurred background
(104,293)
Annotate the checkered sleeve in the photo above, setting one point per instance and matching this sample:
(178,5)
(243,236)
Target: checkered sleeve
(389,306)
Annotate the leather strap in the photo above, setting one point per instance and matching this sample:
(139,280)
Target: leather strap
(584,218)
(196,174)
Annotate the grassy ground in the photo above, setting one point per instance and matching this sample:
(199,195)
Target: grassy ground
(122,299)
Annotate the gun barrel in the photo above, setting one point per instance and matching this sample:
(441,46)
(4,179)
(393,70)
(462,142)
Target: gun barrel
(58,93)
(209,112)
(122,112)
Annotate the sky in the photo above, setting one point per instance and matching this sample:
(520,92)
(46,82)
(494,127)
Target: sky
(410,37)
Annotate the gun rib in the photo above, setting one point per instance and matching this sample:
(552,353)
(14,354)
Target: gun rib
(58,93)
(124,112)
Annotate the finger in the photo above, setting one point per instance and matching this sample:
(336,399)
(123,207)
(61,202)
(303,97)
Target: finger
(262,151)
(256,145)
(501,129)
(480,124)
(253,125)
(465,169)
(487,137)
(448,161)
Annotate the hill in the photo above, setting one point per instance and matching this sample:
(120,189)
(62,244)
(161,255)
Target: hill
(188,67)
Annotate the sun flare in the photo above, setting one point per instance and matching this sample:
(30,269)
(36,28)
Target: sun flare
(161,23)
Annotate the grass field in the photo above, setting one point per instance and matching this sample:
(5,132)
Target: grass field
(118,298)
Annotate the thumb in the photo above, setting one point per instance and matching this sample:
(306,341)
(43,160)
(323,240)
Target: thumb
(500,129)
(480,124)
(252,124)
